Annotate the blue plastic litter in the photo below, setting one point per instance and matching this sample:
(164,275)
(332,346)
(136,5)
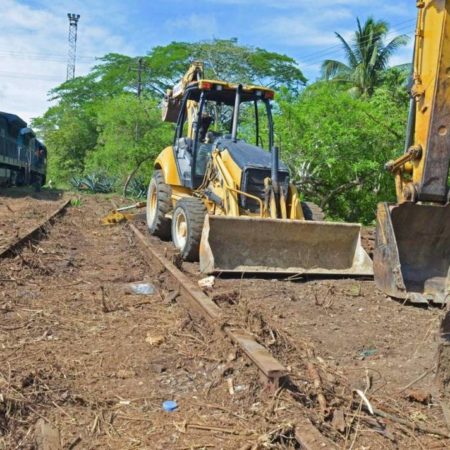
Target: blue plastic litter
(367,353)
(143,289)
(169,405)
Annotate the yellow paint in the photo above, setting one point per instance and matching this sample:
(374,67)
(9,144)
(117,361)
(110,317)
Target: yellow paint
(166,162)
(431,68)
(233,86)
(296,211)
(224,176)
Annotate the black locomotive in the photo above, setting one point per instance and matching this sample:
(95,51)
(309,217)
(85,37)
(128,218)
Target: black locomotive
(23,158)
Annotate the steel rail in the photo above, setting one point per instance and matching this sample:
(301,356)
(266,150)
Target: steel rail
(271,369)
(272,372)
(21,240)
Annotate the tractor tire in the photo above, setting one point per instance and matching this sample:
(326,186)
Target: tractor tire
(187,225)
(311,211)
(159,203)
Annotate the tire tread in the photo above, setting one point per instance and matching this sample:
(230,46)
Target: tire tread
(195,212)
(162,225)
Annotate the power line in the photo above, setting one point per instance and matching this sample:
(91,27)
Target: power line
(321,55)
(27,76)
(312,64)
(58,56)
(398,27)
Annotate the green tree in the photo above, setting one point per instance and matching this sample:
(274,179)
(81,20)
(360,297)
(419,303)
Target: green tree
(131,134)
(81,130)
(68,134)
(337,145)
(227,60)
(367,57)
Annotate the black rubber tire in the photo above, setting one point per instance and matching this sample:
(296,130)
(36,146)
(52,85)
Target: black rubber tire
(311,211)
(194,212)
(158,224)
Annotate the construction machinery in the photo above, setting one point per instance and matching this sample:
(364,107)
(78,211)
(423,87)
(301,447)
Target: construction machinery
(412,250)
(223,196)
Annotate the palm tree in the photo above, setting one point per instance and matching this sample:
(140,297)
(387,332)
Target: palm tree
(367,57)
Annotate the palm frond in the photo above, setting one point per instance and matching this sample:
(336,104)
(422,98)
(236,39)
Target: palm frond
(389,49)
(332,69)
(351,57)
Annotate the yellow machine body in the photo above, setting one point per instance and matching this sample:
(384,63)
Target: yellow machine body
(247,228)
(412,252)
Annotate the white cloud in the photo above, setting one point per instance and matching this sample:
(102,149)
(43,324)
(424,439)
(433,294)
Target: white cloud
(202,26)
(299,30)
(33,49)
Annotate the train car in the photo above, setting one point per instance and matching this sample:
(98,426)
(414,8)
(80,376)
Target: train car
(23,158)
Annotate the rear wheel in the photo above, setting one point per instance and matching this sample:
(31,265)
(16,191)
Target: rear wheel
(311,211)
(159,203)
(187,225)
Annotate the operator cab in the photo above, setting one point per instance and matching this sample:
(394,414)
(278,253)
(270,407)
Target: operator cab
(213,111)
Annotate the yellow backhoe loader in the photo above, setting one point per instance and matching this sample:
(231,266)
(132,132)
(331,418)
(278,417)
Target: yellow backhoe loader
(412,249)
(223,196)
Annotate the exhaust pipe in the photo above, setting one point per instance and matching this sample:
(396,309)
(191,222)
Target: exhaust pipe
(275,168)
(237,102)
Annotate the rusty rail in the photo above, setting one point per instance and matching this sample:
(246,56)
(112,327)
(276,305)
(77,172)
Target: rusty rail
(21,240)
(271,369)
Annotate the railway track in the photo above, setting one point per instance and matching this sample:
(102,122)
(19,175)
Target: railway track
(35,231)
(69,320)
(273,374)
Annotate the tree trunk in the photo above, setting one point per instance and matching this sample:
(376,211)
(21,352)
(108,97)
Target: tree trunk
(132,174)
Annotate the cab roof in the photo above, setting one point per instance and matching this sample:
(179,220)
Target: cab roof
(225,92)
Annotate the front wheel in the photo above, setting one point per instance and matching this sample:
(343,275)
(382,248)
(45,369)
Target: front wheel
(159,203)
(187,225)
(311,211)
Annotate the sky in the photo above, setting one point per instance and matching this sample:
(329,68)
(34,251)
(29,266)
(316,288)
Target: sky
(33,34)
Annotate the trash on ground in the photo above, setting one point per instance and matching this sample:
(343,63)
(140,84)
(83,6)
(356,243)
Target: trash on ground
(154,340)
(367,353)
(169,405)
(207,282)
(143,289)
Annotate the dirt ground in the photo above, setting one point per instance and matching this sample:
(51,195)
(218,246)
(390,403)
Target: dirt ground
(96,361)
(23,208)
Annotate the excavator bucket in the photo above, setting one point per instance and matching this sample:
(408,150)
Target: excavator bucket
(255,245)
(412,252)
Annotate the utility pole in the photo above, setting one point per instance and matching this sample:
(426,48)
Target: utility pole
(73,27)
(139,70)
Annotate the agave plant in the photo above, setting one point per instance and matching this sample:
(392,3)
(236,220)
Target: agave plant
(137,188)
(96,182)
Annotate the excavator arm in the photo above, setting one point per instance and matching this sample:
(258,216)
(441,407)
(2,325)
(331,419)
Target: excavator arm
(422,173)
(412,253)
(172,99)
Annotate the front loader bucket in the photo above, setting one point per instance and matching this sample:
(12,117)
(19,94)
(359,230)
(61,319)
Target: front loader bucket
(412,252)
(255,245)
